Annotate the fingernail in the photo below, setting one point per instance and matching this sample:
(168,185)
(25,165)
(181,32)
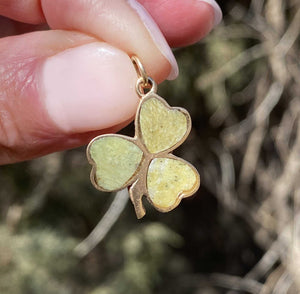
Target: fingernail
(157,37)
(217,10)
(89,87)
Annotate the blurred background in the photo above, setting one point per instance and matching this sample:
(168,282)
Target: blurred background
(239,234)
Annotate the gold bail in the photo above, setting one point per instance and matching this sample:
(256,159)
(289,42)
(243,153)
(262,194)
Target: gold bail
(140,69)
(144,82)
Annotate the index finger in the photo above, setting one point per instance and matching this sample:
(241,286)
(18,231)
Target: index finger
(126,25)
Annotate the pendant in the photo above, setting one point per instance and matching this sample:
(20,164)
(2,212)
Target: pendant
(144,163)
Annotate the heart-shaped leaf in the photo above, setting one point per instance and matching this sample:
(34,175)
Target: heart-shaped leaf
(169,180)
(162,127)
(115,159)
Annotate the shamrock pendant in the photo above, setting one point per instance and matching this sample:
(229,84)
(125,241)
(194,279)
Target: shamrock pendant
(145,163)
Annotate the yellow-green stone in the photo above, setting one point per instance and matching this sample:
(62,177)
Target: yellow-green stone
(161,127)
(167,179)
(117,160)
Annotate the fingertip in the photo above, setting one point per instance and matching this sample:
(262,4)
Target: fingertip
(90,87)
(218,15)
(29,11)
(184,22)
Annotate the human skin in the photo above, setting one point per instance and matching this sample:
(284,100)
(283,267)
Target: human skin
(63,86)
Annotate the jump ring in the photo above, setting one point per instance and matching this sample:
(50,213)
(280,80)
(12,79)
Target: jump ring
(140,86)
(140,69)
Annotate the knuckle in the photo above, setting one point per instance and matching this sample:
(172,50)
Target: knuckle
(10,133)
(16,79)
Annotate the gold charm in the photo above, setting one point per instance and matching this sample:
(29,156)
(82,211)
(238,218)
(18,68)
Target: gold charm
(145,163)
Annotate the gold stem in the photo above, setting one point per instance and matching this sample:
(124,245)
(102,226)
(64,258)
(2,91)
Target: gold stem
(136,195)
(139,189)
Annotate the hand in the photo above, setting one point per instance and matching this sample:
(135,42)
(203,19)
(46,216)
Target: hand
(61,87)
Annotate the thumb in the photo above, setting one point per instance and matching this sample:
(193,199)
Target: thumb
(57,91)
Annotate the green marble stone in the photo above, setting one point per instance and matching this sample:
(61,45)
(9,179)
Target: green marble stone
(161,127)
(117,160)
(167,180)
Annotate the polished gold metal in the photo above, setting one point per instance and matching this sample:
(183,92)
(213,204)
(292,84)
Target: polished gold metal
(140,69)
(138,182)
(144,82)
(140,87)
